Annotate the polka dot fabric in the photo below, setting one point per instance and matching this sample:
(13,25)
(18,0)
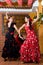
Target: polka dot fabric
(30,50)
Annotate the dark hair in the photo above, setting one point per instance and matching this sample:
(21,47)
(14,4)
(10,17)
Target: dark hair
(30,21)
(7,23)
(9,17)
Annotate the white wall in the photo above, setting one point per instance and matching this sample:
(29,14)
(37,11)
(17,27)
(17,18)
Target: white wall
(42,2)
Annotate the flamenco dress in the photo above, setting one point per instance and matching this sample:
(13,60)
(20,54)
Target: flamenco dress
(10,49)
(30,50)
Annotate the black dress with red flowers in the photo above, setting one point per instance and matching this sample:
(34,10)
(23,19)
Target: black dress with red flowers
(10,48)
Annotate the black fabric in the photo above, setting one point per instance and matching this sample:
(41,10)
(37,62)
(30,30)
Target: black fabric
(11,29)
(10,48)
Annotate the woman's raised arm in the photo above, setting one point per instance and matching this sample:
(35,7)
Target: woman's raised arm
(37,17)
(7,15)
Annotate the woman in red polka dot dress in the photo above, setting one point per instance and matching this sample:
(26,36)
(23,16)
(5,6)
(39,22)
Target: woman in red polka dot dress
(30,51)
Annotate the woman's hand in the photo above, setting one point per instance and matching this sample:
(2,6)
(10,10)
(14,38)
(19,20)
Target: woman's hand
(6,12)
(21,36)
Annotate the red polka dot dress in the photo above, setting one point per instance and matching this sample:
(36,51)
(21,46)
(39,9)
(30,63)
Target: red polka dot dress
(30,50)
